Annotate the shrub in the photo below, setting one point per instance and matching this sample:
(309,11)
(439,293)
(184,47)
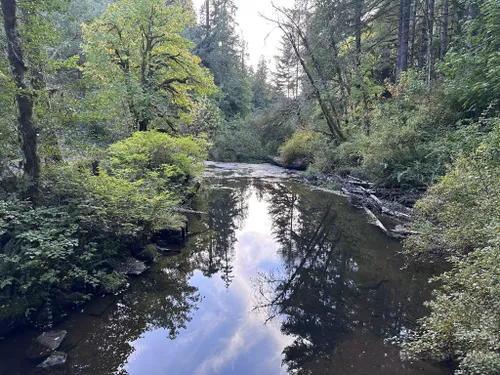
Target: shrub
(299,148)
(62,250)
(461,221)
(456,331)
(238,141)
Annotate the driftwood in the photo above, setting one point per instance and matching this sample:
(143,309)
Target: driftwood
(400,230)
(376,221)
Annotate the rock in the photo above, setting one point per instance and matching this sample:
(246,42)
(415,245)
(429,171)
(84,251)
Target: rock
(46,343)
(132,266)
(56,360)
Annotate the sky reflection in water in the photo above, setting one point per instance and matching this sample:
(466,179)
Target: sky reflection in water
(225,335)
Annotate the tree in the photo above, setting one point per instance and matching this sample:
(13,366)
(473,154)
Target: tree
(24,96)
(223,52)
(29,33)
(260,86)
(135,50)
(403,37)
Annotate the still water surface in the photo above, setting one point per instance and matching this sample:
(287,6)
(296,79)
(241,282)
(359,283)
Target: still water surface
(276,279)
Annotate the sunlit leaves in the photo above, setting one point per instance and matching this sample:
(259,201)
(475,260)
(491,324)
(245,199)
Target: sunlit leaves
(135,50)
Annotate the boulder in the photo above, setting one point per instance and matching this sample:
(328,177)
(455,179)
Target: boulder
(46,343)
(132,266)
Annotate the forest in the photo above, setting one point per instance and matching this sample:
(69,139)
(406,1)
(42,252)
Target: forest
(110,108)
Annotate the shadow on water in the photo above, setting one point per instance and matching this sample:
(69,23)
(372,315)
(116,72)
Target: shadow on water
(275,279)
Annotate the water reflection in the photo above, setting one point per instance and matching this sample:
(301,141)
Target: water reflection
(328,284)
(215,237)
(339,284)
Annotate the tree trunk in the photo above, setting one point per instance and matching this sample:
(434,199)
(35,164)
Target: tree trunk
(429,42)
(403,35)
(24,98)
(413,32)
(423,38)
(358,32)
(331,120)
(444,30)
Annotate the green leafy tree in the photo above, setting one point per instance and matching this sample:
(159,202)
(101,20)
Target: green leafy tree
(222,51)
(136,52)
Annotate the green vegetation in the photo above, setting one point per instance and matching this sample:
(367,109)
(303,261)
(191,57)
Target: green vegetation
(91,190)
(110,107)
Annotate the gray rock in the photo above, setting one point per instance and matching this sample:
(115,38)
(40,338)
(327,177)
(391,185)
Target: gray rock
(132,266)
(56,360)
(46,343)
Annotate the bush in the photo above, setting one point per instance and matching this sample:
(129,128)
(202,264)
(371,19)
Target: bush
(61,251)
(299,148)
(457,213)
(456,331)
(238,141)
(461,221)
(166,162)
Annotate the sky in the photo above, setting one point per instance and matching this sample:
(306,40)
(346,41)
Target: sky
(262,37)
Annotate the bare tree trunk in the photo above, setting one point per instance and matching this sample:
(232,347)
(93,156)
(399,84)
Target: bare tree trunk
(358,31)
(444,29)
(357,64)
(404,31)
(423,38)
(429,42)
(24,98)
(413,32)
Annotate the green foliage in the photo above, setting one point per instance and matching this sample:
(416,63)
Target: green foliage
(136,52)
(207,119)
(458,211)
(168,164)
(148,254)
(473,71)
(62,250)
(461,219)
(465,315)
(223,52)
(238,141)
(299,148)
(42,257)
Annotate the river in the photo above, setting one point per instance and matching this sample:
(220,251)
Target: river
(276,278)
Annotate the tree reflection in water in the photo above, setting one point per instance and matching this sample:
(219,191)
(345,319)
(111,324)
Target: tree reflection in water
(163,300)
(337,290)
(215,237)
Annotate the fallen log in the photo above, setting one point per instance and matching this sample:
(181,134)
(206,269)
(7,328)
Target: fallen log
(399,230)
(376,221)
(397,214)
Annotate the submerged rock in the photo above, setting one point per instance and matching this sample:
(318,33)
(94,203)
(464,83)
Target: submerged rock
(132,266)
(56,360)
(46,343)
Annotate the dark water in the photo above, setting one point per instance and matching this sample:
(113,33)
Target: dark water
(328,285)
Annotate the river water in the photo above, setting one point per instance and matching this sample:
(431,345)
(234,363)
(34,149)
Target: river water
(276,278)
